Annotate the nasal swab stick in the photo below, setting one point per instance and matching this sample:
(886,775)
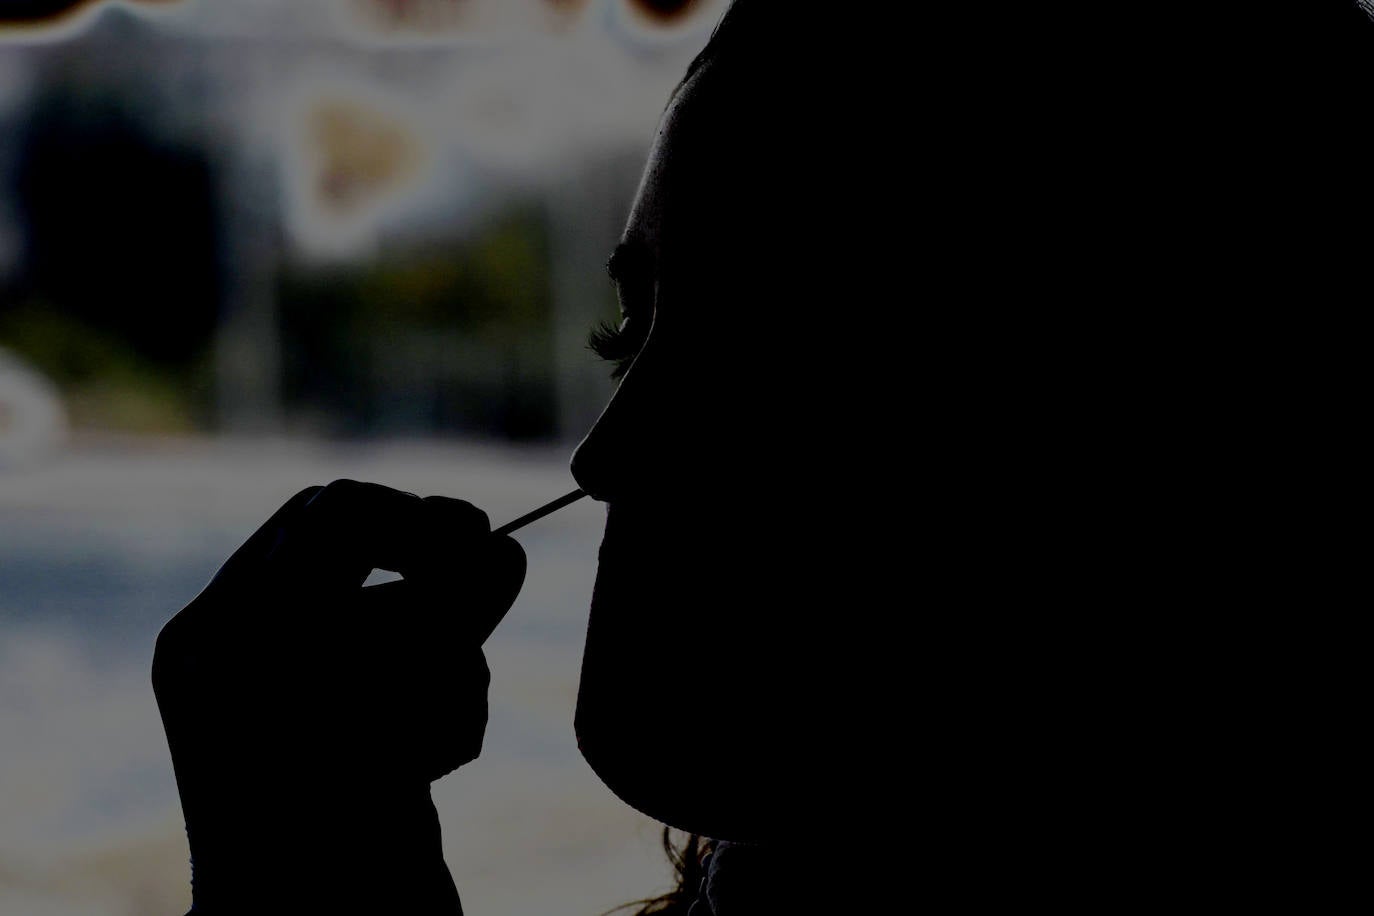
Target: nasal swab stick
(537,514)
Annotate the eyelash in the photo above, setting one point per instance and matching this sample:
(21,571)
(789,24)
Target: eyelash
(620,344)
(617,344)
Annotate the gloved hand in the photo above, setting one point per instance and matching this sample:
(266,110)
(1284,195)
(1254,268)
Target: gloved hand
(307,715)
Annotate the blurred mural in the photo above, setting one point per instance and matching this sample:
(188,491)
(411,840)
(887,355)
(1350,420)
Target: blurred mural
(340,218)
(250,245)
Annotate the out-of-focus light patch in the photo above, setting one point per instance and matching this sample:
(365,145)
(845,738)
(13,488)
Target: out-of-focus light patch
(476,21)
(353,158)
(278,20)
(514,114)
(37,21)
(456,21)
(566,8)
(360,155)
(664,11)
(32,421)
(16,79)
(422,16)
(664,21)
(467,21)
(538,108)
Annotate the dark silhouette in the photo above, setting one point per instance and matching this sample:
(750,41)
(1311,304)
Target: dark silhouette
(924,504)
(926,497)
(307,715)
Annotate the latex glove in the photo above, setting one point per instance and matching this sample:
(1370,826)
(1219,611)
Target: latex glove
(307,715)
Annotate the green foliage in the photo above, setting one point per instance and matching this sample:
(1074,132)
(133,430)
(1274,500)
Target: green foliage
(455,335)
(104,383)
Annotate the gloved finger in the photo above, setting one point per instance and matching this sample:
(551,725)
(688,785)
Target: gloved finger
(345,531)
(398,629)
(451,528)
(202,618)
(499,587)
(470,577)
(424,694)
(462,602)
(248,559)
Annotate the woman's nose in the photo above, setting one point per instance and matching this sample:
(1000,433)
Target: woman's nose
(602,462)
(617,458)
(590,465)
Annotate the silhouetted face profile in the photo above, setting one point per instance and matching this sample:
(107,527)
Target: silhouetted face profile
(702,697)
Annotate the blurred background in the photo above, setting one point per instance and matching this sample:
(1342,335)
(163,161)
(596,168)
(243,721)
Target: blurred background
(247,246)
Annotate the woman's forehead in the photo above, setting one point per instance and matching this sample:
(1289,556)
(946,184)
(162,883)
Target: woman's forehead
(662,170)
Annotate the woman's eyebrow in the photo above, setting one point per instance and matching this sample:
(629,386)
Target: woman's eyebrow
(629,256)
(615,265)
